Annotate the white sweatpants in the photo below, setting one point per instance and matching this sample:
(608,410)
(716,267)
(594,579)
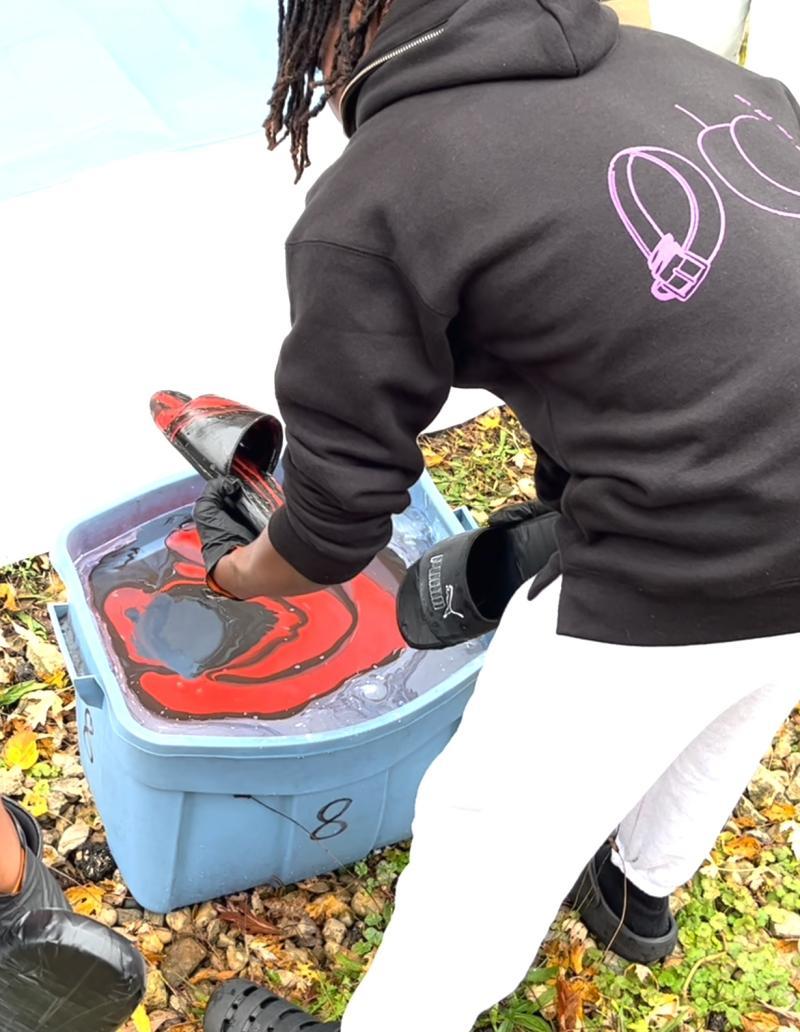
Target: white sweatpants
(561,740)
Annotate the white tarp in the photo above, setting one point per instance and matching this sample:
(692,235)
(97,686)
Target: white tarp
(774,43)
(159,264)
(717,25)
(164,271)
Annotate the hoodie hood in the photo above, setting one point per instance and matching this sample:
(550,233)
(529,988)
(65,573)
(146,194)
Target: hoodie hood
(463,42)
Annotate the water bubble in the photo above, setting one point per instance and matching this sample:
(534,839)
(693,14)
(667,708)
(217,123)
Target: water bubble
(374,691)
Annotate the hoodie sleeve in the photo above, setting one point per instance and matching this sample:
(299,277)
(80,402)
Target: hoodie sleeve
(364,370)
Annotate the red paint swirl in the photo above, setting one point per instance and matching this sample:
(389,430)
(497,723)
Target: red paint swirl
(190,654)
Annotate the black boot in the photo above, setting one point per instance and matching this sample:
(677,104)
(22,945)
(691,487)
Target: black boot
(241,1006)
(59,972)
(39,890)
(602,894)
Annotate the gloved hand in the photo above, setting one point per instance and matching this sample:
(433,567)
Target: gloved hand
(532,536)
(520,512)
(221,527)
(460,588)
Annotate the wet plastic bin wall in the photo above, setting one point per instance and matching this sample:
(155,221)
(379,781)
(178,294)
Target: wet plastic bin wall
(189,817)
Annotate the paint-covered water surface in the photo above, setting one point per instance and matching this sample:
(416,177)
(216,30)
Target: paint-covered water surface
(301,665)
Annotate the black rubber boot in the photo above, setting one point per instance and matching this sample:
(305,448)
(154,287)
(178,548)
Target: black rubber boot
(40,890)
(60,972)
(241,1006)
(605,923)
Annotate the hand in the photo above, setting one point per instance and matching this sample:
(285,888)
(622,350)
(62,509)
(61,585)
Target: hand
(240,563)
(219,524)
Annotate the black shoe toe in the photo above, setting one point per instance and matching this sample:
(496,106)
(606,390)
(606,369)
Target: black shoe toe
(605,924)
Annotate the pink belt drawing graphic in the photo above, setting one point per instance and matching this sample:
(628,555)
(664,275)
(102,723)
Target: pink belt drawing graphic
(747,154)
(679,255)
(742,153)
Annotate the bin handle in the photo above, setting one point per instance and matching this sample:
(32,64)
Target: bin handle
(86,685)
(465,518)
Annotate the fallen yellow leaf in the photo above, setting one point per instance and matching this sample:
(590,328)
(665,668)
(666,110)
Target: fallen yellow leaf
(326,906)
(569,1005)
(21,750)
(589,991)
(59,680)
(780,812)
(8,598)
(761,1021)
(666,1006)
(210,975)
(44,657)
(36,707)
(490,421)
(35,804)
(432,458)
(140,1020)
(85,899)
(576,952)
(150,945)
(746,846)
(58,590)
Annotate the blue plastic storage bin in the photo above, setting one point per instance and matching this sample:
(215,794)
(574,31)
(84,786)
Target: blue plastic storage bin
(193,816)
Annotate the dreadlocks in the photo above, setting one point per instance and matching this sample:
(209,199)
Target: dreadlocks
(303,26)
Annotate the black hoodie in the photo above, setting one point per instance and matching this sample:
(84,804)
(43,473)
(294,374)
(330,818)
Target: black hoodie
(601,225)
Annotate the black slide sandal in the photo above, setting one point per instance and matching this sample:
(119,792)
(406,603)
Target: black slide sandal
(435,604)
(241,1006)
(586,897)
(60,972)
(460,588)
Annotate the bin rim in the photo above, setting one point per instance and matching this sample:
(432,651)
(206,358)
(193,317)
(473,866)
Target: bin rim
(164,744)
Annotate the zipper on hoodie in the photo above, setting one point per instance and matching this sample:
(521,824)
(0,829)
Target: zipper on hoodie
(404,48)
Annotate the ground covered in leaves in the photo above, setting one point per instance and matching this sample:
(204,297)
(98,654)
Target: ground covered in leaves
(738,965)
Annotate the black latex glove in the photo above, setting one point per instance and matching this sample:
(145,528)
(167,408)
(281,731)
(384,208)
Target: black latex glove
(219,523)
(516,546)
(519,513)
(530,534)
